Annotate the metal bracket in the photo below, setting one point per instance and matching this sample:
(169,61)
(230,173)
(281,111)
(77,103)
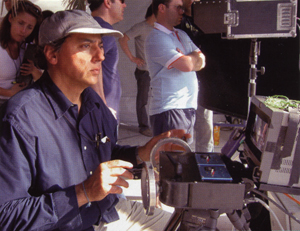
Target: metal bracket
(232,18)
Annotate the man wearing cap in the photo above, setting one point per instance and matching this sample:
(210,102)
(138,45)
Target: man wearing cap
(107,13)
(60,166)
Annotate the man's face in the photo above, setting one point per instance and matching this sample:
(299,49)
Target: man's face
(174,12)
(79,60)
(117,10)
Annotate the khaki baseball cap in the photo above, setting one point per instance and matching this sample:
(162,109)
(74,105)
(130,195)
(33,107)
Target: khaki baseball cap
(63,23)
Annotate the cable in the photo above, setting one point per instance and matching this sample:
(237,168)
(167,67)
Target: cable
(275,203)
(292,198)
(281,102)
(255,199)
(284,206)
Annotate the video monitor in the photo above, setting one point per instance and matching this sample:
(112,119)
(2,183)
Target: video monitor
(258,124)
(259,133)
(271,144)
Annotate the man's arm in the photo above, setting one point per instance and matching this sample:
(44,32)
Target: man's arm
(195,61)
(22,205)
(19,210)
(124,45)
(160,49)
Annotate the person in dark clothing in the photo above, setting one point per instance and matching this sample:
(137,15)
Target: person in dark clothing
(107,13)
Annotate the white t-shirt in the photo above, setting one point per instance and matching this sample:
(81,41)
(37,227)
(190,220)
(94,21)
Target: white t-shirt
(9,69)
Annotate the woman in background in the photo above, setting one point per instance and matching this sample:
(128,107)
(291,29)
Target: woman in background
(18,28)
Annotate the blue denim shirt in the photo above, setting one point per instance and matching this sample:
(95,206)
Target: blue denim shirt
(46,148)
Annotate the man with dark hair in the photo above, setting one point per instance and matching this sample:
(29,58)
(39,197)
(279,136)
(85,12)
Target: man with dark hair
(139,33)
(173,60)
(60,166)
(107,13)
(156,3)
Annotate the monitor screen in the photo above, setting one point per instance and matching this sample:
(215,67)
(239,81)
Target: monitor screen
(258,133)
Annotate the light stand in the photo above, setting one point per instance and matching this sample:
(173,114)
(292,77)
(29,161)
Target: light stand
(253,57)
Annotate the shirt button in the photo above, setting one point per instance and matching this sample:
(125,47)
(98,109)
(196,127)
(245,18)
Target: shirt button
(85,148)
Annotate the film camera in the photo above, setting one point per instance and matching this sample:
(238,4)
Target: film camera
(201,186)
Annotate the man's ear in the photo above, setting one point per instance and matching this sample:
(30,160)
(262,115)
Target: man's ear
(162,8)
(50,54)
(107,3)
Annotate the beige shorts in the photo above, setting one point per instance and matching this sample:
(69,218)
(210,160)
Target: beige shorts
(133,218)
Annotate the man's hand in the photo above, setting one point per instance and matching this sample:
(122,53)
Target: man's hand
(107,179)
(137,61)
(144,151)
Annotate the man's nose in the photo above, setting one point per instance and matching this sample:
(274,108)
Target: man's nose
(99,54)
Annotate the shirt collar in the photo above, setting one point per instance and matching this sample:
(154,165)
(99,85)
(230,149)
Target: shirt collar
(60,103)
(164,29)
(102,22)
